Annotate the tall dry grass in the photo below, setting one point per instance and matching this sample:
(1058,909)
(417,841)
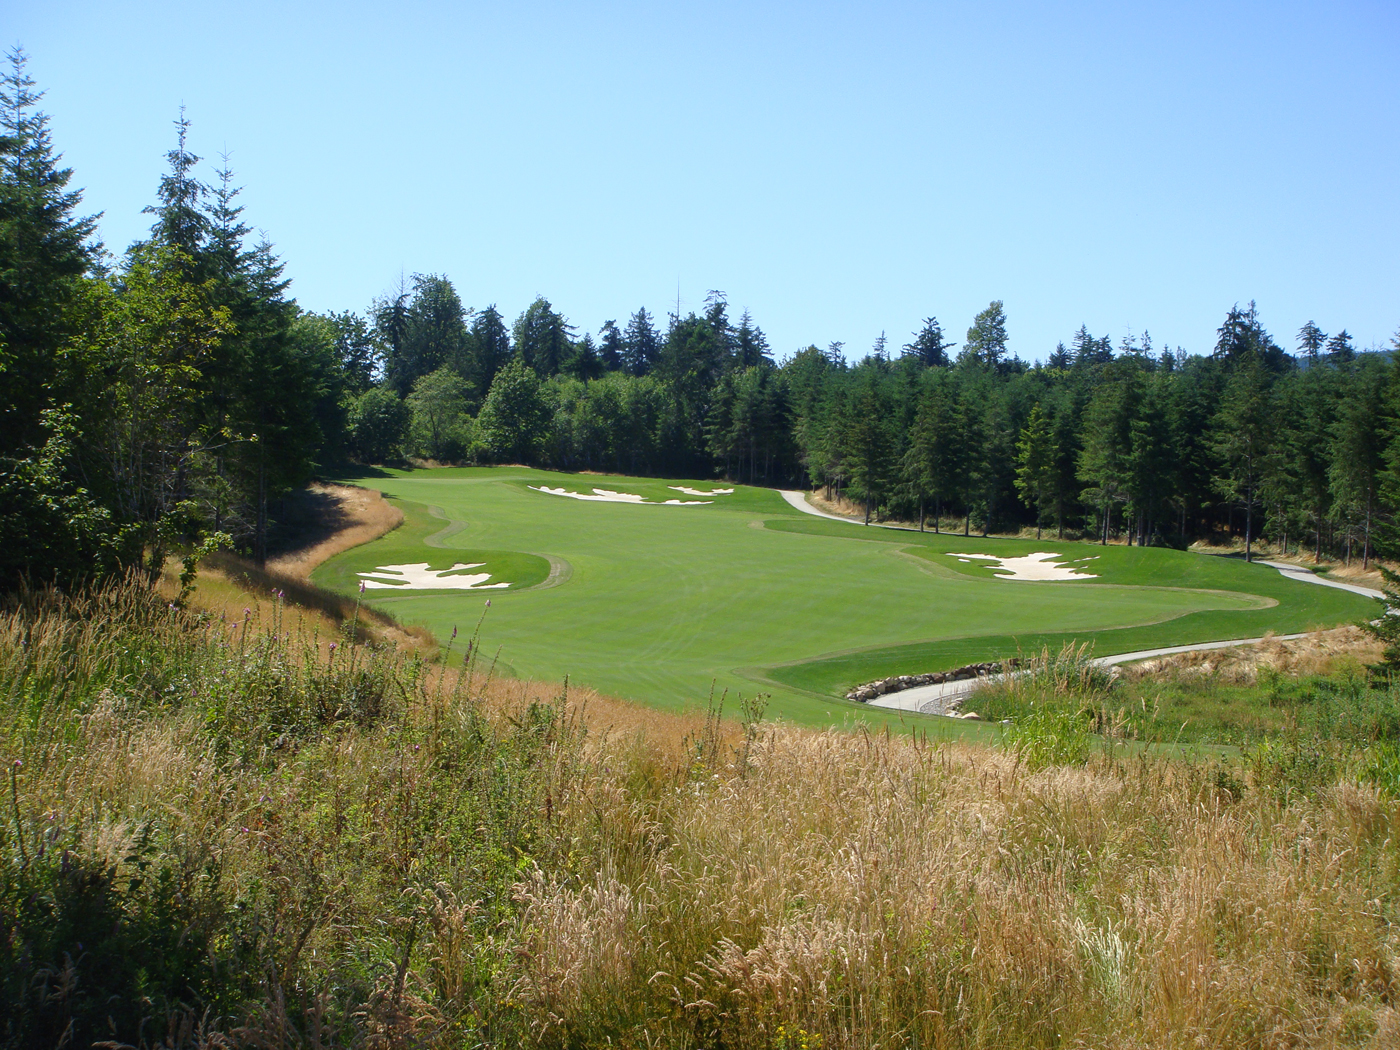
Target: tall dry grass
(226,839)
(866,891)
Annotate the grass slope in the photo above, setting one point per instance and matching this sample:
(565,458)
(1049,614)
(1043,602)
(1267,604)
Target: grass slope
(658,602)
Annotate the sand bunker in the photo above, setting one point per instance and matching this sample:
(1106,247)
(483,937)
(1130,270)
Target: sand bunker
(609,496)
(1032,567)
(700,492)
(418,575)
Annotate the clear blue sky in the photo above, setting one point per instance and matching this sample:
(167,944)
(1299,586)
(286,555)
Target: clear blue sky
(837,169)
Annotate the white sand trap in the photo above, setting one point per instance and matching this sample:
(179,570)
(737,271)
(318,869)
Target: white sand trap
(1032,567)
(700,492)
(609,496)
(418,575)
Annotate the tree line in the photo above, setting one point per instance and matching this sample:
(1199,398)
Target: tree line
(165,398)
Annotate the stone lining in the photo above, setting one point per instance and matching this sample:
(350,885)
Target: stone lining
(870,690)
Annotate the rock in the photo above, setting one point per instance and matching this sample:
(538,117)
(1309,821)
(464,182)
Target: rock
(972,716)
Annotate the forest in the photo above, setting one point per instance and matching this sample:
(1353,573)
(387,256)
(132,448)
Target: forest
(159,401)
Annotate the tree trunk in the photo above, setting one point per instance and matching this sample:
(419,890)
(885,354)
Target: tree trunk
(1366,542)
(1248,526)
(921,513)
(260,530)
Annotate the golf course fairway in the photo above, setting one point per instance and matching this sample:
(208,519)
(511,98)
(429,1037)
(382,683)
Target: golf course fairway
(655,601)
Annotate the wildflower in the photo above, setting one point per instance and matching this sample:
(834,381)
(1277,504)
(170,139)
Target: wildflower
(362,586)
(333,646)
(454,633)
(19,763)
(488,603)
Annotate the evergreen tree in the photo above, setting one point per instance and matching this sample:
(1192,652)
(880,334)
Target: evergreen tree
(431,332)
(1310,340)
(46,253)
(357,351)
(750,344)
(929,347)
(543,338)
(1035,464)
(1357,453)
(585,363)
(641,344)
(1241,430)
(492,345)
(1340,349)
(182,222)
(868,444)
(1242,337)
(1089,351)
(1104,460)
(611,348)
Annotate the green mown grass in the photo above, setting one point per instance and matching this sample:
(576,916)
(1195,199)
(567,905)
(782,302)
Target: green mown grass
(659,603)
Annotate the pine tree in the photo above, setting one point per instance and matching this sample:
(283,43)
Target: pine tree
(1242,428)
(1357,454)
(750,344)
(1035,463)
(491,341)
(641,344)
(929,347)
(868,444)
(1310,340)
(1340,348)
(431,330)
(46,252)
(610,346)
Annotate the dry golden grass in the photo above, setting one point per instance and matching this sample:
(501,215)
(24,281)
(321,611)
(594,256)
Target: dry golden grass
(1319,653)
(364,515)
(869,892)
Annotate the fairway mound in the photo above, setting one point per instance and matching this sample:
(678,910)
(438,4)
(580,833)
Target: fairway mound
(419,577)
(1035,566)
(609,496)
